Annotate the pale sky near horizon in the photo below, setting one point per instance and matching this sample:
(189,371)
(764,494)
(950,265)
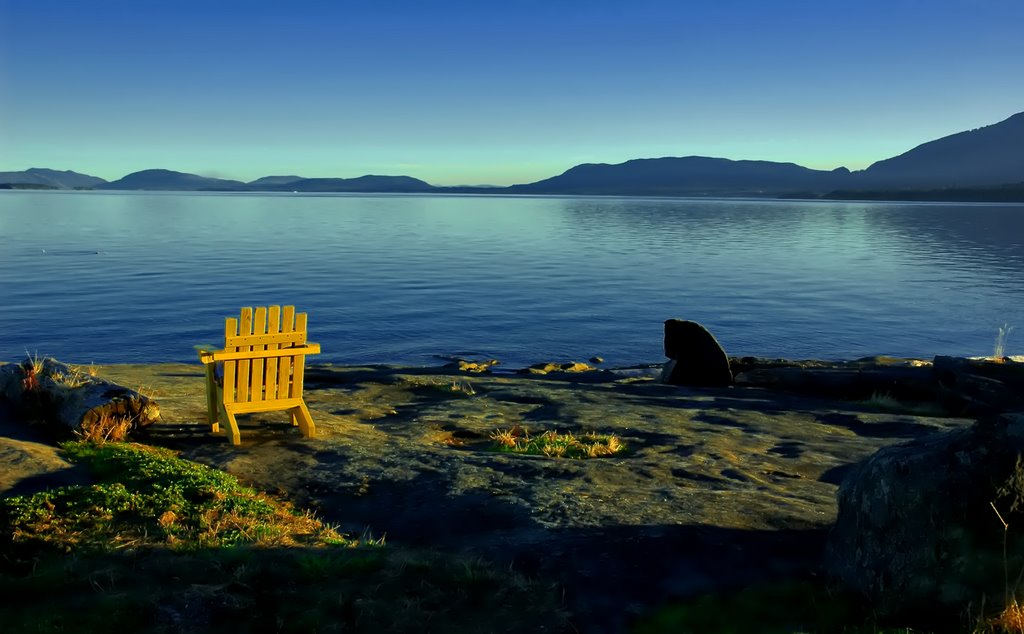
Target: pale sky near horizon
(475,92)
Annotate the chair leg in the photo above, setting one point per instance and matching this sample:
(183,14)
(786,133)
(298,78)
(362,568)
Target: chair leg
(234,436)
(228,418)
(305,421)
(212,396)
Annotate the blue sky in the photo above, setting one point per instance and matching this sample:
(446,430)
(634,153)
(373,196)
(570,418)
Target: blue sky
(492,92)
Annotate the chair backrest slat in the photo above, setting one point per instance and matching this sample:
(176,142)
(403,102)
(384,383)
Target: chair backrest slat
(230,367)
(259,327)
(273,328)
(298,362)
(243,378)
(285,364)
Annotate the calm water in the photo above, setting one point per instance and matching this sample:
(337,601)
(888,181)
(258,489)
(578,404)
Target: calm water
(131,277)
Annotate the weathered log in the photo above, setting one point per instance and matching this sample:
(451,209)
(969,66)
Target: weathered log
(825,381)
(849,381)
(907,383)
(980,386)
(68,396)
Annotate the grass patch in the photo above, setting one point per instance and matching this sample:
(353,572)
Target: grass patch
(1009,621)
(456,387)
(148,496)
(77,376)
(31,370)
(999,350)
(106,428)
(250,589)
(776,608)
(160,544)
(556,445)
(802,607)
(436,386)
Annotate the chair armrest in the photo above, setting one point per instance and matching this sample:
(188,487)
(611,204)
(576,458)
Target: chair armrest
(223,355)
(204,350)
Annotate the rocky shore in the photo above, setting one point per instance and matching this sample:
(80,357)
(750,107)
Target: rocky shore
(719,487)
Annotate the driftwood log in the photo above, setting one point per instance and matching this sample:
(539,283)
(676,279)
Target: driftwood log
(980,386)
(904,379)
(963,386)
(72,397)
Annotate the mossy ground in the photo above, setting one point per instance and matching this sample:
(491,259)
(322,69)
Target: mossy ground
(804,607)
(160,544)
(147,496)
(251,589)
(790,607)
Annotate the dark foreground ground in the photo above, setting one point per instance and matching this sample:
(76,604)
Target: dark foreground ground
(718,489)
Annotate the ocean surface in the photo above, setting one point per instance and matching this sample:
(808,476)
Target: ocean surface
(143,277)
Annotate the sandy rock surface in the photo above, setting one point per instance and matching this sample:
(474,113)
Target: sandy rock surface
(719,487)
(29,459)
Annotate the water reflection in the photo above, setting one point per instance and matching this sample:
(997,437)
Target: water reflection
(402,278)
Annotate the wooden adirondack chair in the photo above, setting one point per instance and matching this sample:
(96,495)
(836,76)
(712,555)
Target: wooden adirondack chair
(260,369)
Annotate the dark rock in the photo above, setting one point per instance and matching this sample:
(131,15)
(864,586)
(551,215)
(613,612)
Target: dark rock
(699,359)
(916,530)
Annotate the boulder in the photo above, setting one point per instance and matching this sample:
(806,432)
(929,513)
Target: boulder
(697,359)
(918,533)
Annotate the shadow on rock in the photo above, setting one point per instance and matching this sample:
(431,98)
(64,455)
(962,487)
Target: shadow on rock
(887,429)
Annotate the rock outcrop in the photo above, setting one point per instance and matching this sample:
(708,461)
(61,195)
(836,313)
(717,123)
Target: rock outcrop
(697,359)
(918,532)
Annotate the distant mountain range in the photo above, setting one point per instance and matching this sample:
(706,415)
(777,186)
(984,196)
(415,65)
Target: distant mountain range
(51,178)
(987,157)
(992,155)
(968,165)
(395,184)
(691,175)
(166,180)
